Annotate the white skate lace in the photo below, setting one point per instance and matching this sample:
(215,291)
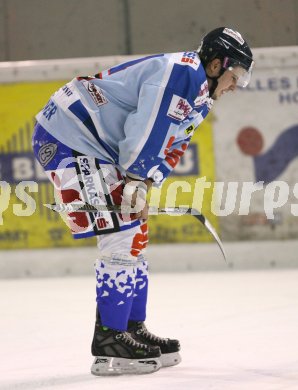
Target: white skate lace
(130,341)
(152,337)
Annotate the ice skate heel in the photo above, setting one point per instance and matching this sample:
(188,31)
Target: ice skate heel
(170,359)
(169,348)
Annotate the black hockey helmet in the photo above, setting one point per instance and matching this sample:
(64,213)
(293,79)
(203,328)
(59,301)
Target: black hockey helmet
(234,52)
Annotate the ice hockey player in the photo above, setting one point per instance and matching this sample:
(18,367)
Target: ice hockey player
(105,140)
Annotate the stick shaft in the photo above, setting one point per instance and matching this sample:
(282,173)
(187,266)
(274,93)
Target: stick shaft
(85,207)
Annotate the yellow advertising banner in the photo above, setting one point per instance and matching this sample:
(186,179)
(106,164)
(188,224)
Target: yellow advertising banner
(24,188)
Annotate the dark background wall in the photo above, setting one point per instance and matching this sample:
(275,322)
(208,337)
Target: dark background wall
(44,29)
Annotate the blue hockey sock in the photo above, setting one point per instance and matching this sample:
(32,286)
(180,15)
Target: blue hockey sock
(115,291)
(138,308)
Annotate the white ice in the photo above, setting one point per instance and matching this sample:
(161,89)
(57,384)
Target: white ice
(238,331)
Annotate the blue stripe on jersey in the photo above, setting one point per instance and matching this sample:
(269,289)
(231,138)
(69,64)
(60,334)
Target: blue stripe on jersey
(80,112)
(179,141)
(125,65)
(131,225)
(187,81)
(83,235)
(148,157)
(164,170)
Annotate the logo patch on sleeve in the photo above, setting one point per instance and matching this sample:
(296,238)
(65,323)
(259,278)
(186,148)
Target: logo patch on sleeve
(190,129)
(96,93)
(179,108)
(191,59)
(47,153)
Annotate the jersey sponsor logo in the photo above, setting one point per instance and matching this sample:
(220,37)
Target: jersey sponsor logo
(94,193)
(234,34)
(84,166)
(190,129)
(204,90)
(96,93)
(88,179)
(179,108)
(203,95)
(46,153)
(191,59)
(200,100)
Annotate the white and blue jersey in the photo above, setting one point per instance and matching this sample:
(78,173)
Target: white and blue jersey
(139,115)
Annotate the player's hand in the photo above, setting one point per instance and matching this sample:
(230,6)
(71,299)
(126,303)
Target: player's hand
(134,196)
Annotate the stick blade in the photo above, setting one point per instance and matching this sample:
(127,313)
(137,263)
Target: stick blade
(210,229)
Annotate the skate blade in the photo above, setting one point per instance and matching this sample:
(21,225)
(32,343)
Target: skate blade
(170,359)
(104,365)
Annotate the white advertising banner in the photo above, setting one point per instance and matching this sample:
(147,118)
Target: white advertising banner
(256,150)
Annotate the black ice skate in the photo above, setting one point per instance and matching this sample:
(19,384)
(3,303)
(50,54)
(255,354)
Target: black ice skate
(118,353)
(169,348)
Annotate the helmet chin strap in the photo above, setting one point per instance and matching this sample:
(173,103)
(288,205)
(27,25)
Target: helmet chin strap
(213,85)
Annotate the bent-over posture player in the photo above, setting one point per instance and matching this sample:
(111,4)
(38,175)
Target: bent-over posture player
(105,140)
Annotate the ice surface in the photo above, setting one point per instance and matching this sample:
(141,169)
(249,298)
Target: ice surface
(238,331)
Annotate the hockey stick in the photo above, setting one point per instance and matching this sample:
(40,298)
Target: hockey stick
(85,207)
